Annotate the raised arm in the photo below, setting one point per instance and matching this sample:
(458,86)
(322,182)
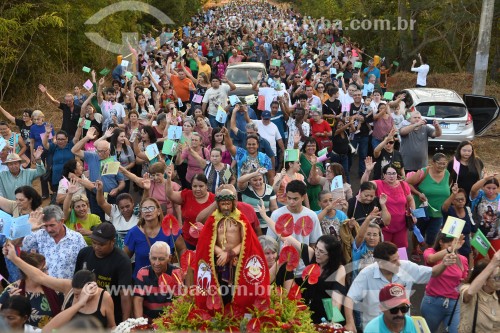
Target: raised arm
(228,142)
(369,165)
(447,203)
(474,191)
(60,285)
(244,179)
(83,111)
(480,280)
(103,203)
(44,90)
(77,149)
(7,115)
(174,196)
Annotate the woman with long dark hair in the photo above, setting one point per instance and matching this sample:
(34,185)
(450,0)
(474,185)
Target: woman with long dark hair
(470,168)
(439,305)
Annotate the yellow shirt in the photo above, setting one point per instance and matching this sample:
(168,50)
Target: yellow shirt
(204,69)
(91,221)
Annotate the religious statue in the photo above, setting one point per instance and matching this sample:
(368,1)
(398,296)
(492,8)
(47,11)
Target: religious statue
(230,260)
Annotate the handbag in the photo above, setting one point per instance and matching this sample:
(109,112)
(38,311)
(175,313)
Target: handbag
(408,217)
(325,143)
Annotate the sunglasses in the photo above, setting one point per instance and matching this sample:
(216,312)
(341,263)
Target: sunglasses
(390,142)
(403,309)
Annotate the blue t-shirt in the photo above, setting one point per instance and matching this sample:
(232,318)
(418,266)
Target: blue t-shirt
(279,121)
(136,242)
(377,325)
(59,158)
(109,181)
(264,145)
(361,257)
(35,132)
(375,71)
(245,164)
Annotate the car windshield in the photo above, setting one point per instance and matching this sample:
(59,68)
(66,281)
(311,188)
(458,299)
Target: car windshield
(436,110)
(240,75)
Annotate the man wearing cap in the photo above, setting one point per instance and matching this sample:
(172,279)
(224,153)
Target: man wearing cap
(387,268)
(16,177)
(111,266)
(394,306)
(269,131)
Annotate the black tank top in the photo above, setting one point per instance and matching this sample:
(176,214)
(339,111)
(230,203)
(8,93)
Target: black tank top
(97,314)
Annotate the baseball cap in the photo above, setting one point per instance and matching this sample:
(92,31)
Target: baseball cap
(103,232)
(392,295)
(266,114)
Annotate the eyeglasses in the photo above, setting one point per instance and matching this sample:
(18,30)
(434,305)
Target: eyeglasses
(101,151)
(149,209)
(272,69)
(78,197)
(391,173)
(297,77)
(403,309)
(321,87)
(61,139)
(390,142)
(318,251)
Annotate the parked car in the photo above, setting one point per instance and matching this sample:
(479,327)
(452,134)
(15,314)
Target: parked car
(238,74)
(461,119)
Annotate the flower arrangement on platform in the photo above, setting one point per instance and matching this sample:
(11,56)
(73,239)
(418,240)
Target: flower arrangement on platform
(133,325)
(285,313)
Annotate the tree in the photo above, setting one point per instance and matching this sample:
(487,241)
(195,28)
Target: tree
(18,26)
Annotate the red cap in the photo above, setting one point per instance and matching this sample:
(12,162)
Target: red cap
(393,295)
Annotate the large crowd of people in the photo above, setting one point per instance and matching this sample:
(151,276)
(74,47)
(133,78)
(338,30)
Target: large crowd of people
(143,160)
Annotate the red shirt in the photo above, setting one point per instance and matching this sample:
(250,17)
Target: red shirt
(319,128)
(249,213)
(190,208)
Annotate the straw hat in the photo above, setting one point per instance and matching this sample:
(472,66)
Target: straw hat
(12,158)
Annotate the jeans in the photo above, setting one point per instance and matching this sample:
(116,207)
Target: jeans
(436,311)
(361,143)
(213,122)
(375,142)
(429,228)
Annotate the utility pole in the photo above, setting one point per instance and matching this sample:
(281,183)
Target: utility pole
(483,47)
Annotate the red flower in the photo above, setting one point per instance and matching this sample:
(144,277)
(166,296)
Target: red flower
(304,226)
(195,229)
(289,255)
(294,293)
(199,315)
(284,225)
(233,329)
(253,325)
(165,281)
(312,273)
(268,321)
(301,306)
(187,260)
(214,300)
(170,225)
(261,304)
(234,311)
(286,326)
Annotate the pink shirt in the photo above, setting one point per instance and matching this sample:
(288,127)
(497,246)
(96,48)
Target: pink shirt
(447,284)
(396,203)
(193,164)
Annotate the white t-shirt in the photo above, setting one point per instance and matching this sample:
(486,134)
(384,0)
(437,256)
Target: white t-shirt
(109,110)
(216,97)
(422,71)
(121,225)
(269,132)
